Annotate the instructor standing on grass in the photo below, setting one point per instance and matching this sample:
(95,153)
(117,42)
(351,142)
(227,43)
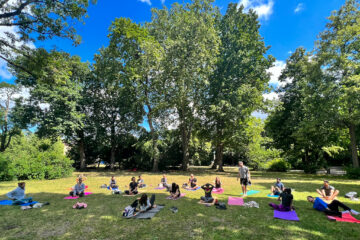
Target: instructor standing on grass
(244,175)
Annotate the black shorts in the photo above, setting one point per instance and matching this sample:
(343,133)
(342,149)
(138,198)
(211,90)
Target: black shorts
(244,181)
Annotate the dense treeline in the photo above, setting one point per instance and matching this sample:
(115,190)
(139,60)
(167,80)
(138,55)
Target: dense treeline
(181,89)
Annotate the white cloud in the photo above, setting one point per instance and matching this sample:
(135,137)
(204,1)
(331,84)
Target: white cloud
(4,73)
(146,1)
(299,8)
(259,115)
(162,1)
(264,8)
(275,72)
(271,96)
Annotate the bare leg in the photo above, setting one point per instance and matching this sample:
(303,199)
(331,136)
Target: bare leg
(272,190)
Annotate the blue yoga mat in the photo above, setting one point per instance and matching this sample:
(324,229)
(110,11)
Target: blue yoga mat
(251,192)
(9,202)
(274,196)
(193,189)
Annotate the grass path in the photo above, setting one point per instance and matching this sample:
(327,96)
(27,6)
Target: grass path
(103,217)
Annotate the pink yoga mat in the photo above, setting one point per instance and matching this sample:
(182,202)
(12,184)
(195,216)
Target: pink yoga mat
(346,217)
(237,201)
(71,197)
(181,195)
(290,215)
(218,190)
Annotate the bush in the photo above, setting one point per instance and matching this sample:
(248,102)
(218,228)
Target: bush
(31,158)
(352,173)
(278,165)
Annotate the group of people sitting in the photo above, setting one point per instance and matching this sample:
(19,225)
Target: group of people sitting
(326,193)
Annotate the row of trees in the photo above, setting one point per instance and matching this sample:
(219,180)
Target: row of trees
(319,111)
(190,68)
(194,76)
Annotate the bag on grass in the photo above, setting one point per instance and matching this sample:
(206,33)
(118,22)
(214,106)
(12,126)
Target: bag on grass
(221,206)
(80,205)
(351,195)
(129,211)
(103,186)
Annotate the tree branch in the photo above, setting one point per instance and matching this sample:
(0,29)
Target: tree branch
(18,10)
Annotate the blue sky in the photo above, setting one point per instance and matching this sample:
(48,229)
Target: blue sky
(285,25)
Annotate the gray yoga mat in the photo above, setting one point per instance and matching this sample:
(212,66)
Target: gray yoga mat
(149,214)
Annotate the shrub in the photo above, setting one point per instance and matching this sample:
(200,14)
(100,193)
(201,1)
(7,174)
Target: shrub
(31,158)
(352,173)
(278,165)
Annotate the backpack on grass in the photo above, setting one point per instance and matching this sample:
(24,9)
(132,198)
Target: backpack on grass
(129,211)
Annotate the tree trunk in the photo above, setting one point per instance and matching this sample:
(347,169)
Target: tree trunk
(353,147)
(219,156)
(185,147)
(112,157)
(155,154)
(82,155)
(216,163)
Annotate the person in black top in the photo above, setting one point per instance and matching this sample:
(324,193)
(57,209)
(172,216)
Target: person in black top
(217,182)
(286,199)
(191,183)
(208,196)
(175,191)
(132,187)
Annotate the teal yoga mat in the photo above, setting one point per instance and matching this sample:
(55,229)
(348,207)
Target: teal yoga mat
(251,192)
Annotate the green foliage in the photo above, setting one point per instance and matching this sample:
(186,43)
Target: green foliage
(352,173)
(29,157)
(278,165)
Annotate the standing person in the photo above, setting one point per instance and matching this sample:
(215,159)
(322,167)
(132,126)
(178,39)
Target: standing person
(327,191)
(208,197)
(113,183)
(244,176)
(132,187)
(175,191)
(331,209)
(286,199)
(278,187)
(79,189)
(18,195)
(217,182)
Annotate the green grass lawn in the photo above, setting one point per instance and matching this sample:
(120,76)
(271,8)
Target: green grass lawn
(103,217)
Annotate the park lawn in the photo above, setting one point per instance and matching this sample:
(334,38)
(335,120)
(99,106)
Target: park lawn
(103,217)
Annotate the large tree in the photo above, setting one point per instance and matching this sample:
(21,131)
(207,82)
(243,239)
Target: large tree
(141,55)
(115,108)
(190,41)
(338,51)
(25,21)
(239,80)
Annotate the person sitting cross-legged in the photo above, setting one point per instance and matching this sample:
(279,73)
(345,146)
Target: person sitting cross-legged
(18,195)
(79,189)
(331,209)
(278,187)
(192,183)
(174,191)
(207,199)
(132,187)
(327,191)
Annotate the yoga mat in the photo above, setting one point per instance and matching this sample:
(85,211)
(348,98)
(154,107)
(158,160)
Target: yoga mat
(193,189)
(10,202)
(181,195)
(251,192)
(160,188)
(149,214)
(218,190)
(236,201)
(346,217)
(274,196)
(73,188)
(76,197)
(290,216)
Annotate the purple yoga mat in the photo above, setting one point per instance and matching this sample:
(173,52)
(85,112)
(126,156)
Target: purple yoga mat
(237,201)
(160,188)
(181,195)
(290,216)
